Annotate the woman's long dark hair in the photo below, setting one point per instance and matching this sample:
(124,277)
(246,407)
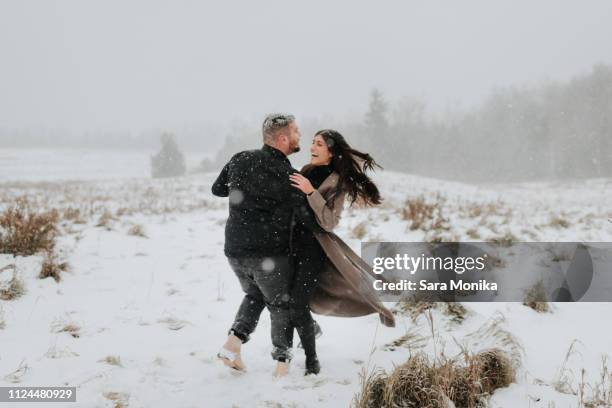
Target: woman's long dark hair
(351,166)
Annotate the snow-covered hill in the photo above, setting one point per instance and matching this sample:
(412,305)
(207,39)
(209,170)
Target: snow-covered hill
(137,320)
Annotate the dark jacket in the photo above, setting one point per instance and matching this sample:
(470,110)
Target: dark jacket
(262,204)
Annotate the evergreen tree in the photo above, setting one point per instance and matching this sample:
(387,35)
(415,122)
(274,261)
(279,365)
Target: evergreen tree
(170,161)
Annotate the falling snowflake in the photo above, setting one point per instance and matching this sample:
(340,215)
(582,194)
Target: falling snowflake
(236,197)
(268,265)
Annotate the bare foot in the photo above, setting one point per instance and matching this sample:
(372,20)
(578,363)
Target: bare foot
(282,368)
(230,353)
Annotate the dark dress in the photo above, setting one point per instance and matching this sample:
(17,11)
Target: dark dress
(309,259)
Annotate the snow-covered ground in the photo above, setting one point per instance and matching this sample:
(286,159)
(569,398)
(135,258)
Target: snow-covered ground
(138,320)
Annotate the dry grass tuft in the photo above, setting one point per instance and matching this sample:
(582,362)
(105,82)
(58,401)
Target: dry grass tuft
(414,384)
(423,215)
(2,321)
(13,288)
(412,340)
(137,230)
(506,240)
(421,382)
(112,360)
(26,232)
(372,391)
(74,214)
(17,375)
(588,394)
(558,221)
(417,305)
(360,230)
(61,326)
(105,220)
(414,307)
(119,399)
(536,299)
(52,268)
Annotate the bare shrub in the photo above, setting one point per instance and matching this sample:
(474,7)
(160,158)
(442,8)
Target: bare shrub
(26,232)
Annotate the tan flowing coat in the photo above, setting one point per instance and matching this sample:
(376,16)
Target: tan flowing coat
(345,283)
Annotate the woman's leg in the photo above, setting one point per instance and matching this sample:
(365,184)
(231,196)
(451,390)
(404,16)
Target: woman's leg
(308,265)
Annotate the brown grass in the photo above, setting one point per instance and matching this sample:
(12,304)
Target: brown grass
(14,289)
(360,230)
(412,340)
(137,230)
(505,240)
(421,382)
(112,360)
(423,215)
(61,326)
(25,232)
(558,221)
(119,399)
(417,305)
(74,214)
(52,268)
(105,220)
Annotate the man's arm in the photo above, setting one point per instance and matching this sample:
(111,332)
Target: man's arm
(220,187)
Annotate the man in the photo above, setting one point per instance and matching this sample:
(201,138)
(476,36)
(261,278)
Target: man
(263,206)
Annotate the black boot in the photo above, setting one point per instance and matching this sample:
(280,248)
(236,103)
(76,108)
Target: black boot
(318,333)
(307,335)
(312,365)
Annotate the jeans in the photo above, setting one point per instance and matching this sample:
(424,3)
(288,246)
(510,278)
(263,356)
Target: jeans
(265,281)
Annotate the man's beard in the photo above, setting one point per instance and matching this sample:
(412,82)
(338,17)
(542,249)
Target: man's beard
(295,148)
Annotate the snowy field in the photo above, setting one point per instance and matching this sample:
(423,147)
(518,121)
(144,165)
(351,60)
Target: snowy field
(79,164)
(137,319)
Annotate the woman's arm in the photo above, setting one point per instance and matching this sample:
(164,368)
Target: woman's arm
(328,218)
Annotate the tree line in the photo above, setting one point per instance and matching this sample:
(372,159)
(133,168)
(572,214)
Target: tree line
(554,130)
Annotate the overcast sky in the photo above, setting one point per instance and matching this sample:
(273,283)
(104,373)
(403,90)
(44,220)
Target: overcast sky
(141,64)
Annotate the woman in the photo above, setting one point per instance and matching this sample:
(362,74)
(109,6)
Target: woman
(330,278)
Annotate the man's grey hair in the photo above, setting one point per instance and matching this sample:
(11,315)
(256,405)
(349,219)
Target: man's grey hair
(273,123)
